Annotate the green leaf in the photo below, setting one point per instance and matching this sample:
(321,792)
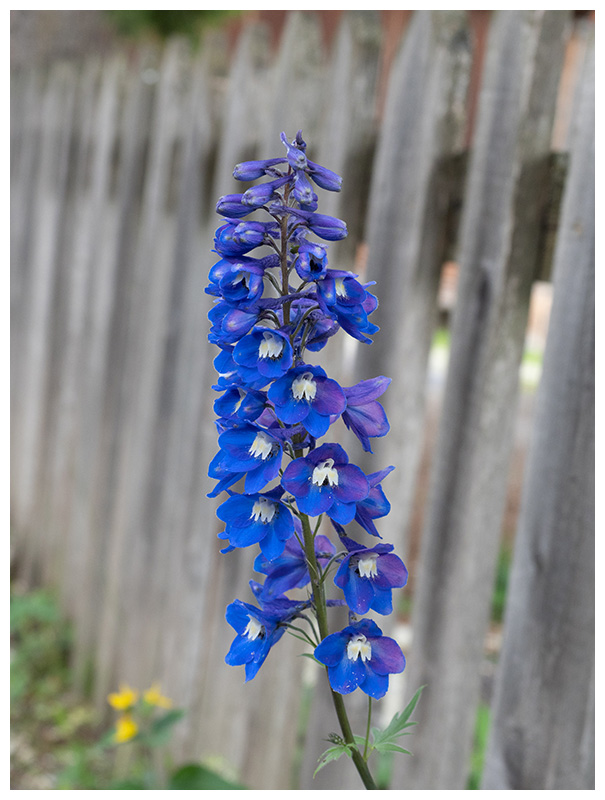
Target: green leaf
(332,754)
(399,722)
(195,776)
(161,728)
(312,657)
(386,747)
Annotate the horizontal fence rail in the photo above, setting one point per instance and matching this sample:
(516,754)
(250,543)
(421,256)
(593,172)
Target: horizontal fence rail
(116,166)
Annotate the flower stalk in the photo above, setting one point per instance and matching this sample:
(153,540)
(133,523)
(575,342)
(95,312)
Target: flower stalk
(276,405)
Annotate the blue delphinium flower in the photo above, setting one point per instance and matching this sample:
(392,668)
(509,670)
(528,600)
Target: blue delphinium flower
(251,450)
(324,481)
(368,575)
(364,415)
(290,570)
(258,518)
(274,406)
(359,656)
(304,394)
(263,355)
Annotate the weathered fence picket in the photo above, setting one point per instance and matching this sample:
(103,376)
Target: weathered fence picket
(550,612)
(466,504)
(116,168)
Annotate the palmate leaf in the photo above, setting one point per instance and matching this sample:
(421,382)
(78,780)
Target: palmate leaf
(332,754)
(396,728)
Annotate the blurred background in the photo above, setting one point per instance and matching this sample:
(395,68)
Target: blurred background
(466,145)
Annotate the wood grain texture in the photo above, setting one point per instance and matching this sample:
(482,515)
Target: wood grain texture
(543,724)
(466,503)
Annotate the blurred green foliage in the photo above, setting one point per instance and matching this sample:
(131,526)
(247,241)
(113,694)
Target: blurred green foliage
(60,742)
(482,724)
(165,23)
(501,585)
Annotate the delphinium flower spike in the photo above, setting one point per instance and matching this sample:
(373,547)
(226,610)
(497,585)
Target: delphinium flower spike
(272,311)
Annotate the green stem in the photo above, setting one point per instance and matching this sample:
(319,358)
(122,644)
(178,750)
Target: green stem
(365,749)
(321,611)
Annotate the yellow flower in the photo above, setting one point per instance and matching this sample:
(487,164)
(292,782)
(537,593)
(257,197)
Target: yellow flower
(154,697)
(123,699)
(126,728)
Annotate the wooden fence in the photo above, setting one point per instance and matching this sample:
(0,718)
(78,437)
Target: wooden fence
(116,167)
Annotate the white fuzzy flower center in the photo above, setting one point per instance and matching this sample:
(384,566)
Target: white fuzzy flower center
(254,629)
(359,646)
(261,447)
(263,509)
(340,287)
(271,346)
(325,473)
(304,387)
(367,566)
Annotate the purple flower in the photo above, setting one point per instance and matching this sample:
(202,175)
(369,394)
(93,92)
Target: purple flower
(229,324)
(290,570)
(251,450)
(375,504)
(257,519)
(257,196)
(367,577)
(304,394)
(256,635)
(240,403)
(230,205)
(238,238)
(303,192)
(324,177)
(251,170)
(262,356)
(359,656)
(296,151)
(324,481)
(311,263)
(364,415)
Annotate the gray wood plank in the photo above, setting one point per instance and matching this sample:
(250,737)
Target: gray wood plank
(424,126)
(542,734)
(468,483)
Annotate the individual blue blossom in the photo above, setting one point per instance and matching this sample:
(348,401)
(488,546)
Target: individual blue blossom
(296,151)
(367,576)
(323,177)
(251,170)
(375,505)
(257,196)
(364,415)
(324,481)
(290,570)
(238,238)
(229,324)
(329,228)
(303,192)
(304,394)
(249,450)
(343,297)
(258,518)
(359,656)
(230,205)
(256,635)
(263,355)
(244,404)
(312,261)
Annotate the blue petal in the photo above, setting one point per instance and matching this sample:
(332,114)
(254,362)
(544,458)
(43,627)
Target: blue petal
(374,685)
(332,649)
